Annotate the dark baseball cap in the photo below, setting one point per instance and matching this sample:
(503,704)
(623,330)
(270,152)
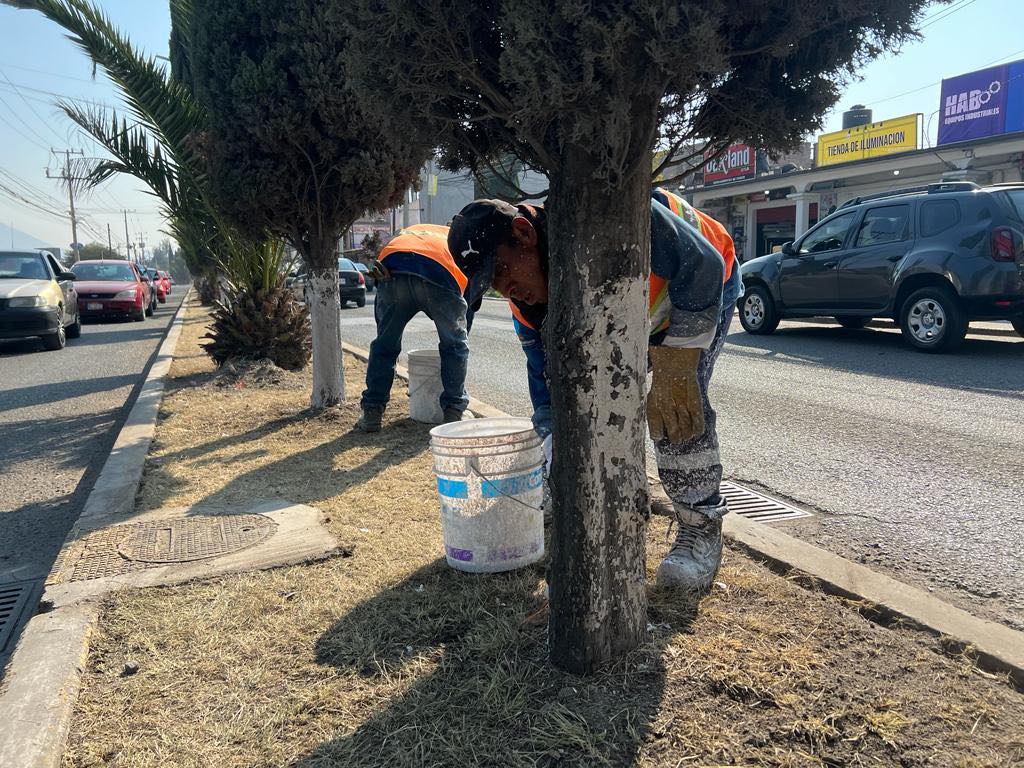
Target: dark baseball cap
(473,238)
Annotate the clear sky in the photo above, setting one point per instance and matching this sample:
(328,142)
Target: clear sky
(37,62)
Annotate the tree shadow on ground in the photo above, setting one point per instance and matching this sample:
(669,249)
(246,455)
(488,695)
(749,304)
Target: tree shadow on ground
(66,442)
(463,680)
(305,477)
(40,394)
(985,366)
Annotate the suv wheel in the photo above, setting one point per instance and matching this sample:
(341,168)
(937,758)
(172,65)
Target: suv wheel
(852,321)
(757,311)
(1018,324)
(932,320)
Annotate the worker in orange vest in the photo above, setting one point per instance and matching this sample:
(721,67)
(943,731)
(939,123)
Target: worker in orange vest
(415,273)
(694,286)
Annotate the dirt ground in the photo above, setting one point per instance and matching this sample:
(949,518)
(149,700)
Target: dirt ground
(390,658)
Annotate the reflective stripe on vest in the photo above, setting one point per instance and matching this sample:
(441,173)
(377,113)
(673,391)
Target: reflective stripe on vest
(430,241)
(712,229)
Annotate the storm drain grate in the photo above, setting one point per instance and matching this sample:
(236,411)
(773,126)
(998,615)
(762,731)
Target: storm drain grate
(13,598)
(756,506)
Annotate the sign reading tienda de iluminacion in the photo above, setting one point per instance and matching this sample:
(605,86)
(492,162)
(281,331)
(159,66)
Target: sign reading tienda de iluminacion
(887,137)
(984,103)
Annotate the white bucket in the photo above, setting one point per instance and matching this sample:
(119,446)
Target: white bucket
(425,386)
(490,482)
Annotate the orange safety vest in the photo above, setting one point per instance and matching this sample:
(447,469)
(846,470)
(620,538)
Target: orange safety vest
(429,241)
(658,299)
(712,230)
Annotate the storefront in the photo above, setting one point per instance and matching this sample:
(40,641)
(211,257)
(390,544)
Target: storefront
(775,207)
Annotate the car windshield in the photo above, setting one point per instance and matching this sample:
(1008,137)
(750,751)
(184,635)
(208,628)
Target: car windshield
(118,273)
(22,266)
(345,265)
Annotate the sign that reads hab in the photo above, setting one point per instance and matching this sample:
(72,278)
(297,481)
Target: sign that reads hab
(983,103)
(738,162)
(887,137)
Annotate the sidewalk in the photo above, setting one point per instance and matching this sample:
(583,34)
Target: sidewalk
(390,658)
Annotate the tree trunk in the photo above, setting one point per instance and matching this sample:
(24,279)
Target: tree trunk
(597,334)
(328,370)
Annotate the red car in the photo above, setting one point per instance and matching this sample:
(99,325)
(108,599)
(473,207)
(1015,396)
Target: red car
(166,277)
(109,288)
(160,283)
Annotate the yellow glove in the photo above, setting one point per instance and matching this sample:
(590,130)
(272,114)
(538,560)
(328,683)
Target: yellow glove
(675,408)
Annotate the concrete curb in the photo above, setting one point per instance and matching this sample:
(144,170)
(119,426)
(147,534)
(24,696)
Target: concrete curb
(44,675)
(996,647)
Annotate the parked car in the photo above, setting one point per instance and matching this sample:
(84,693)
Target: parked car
(37,298)
(932,258)
(112,288)
(365,271)
(160,286)
(351,284)
(166,278)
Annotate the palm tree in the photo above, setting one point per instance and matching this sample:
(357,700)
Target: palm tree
(160,146)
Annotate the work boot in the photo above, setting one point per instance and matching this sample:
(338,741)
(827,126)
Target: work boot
(697,553)
(451,414)
(370,420)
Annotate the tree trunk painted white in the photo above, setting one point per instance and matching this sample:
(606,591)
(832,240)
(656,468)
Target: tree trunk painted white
(328,369)
(596,334)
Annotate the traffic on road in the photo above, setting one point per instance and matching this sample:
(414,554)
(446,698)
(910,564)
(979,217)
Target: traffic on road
(42,299)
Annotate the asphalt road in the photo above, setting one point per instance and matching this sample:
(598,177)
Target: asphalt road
(912,463)
(60,413)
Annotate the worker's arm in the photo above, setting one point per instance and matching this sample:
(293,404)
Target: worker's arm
(536,363)
(694,272)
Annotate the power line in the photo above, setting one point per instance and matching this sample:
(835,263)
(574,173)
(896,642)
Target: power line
(947,12)
(44,72)
(17,130)
(932,85)
(29,105)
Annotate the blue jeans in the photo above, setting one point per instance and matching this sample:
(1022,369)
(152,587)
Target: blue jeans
(398,301)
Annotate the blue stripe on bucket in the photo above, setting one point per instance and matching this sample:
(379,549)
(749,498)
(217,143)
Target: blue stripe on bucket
(512,486)
(453,489)
(490,489)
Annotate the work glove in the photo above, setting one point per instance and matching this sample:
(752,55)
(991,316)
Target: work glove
(675,408)
(380,273)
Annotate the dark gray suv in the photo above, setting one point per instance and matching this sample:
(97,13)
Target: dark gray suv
(931,258)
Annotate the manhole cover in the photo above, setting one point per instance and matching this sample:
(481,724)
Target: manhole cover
(193,538)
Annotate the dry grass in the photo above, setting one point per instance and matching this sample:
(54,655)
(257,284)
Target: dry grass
(390,658)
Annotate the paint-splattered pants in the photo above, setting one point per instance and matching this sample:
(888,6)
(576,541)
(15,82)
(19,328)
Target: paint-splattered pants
(691,471)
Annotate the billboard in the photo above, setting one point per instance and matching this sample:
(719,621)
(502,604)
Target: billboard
(737,162)
(987,102)
(898,134)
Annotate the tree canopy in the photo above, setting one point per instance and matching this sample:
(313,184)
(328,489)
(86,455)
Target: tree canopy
(534,77)
(290,150)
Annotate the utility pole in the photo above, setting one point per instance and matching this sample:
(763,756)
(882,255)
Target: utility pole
(127,239)
(110,243)
(70,180)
